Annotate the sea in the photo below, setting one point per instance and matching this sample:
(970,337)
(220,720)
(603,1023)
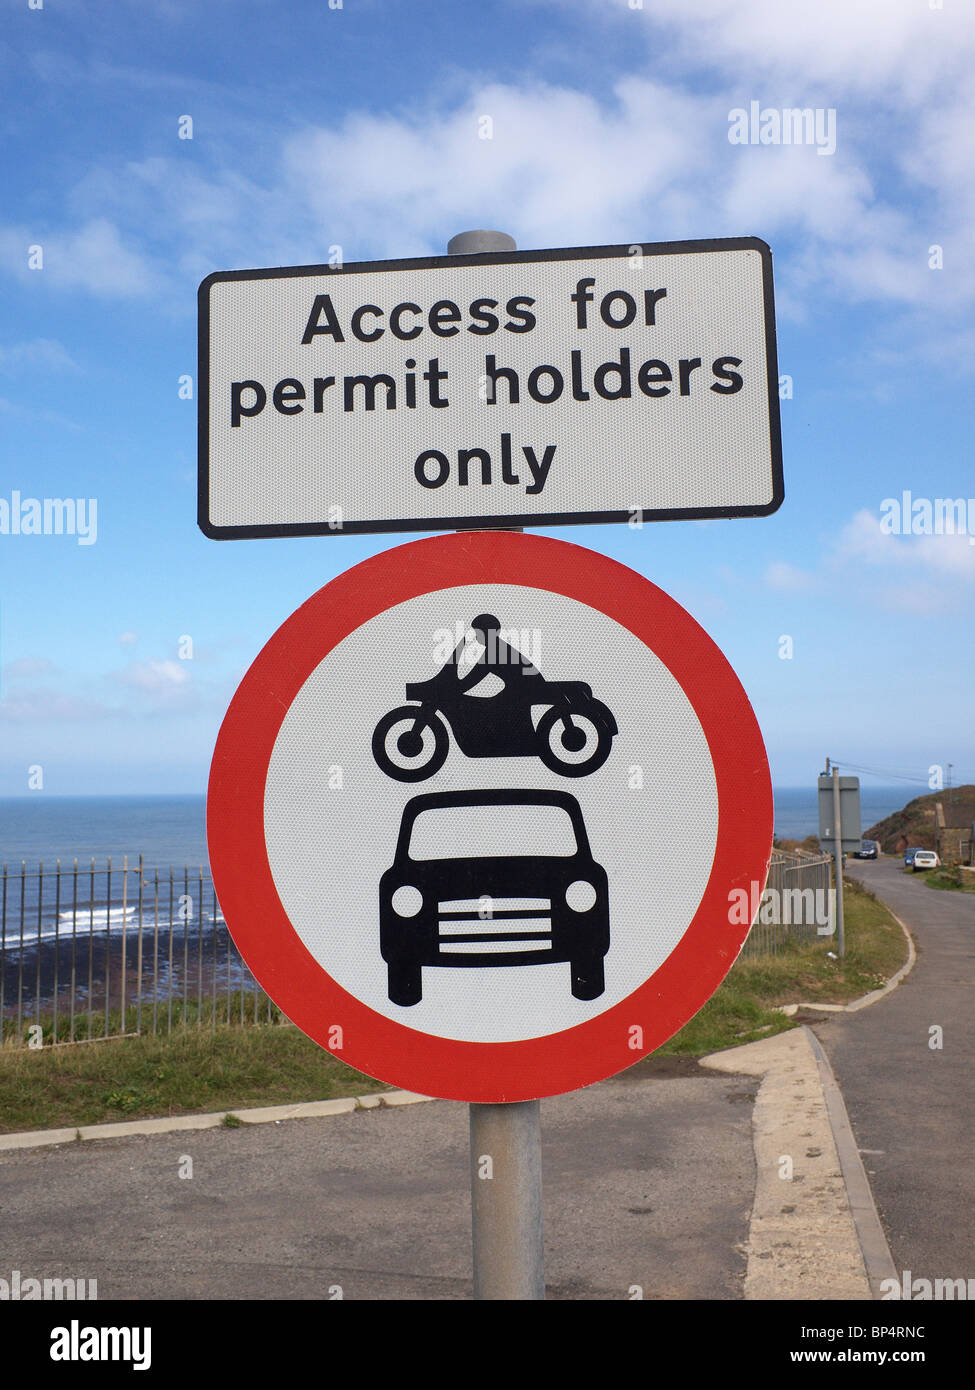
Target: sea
(170,831)
(797,808)
(79,922)
(70,872)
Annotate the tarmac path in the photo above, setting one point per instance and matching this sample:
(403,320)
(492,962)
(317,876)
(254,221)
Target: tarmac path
(912,1102)
(648,1182)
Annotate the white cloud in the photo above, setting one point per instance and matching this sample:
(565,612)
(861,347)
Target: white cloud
(49,705)
(944,557)
(651,160)
(788,578)
(897,73)
(158,687)
(862,539)
(37,354)
(156,677)
(559,166)
(92,257)
(128,639)
(26,412)
(901,49)
(948,555)
(27,666)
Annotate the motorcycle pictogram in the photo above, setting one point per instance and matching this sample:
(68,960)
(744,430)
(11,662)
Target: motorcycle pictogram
(573,736)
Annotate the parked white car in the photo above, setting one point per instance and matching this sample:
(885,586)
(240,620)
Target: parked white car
(926,859)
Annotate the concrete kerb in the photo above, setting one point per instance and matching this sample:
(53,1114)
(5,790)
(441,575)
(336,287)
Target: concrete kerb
(814,1231)
(802,1239)
(260,1115)
(877,1258)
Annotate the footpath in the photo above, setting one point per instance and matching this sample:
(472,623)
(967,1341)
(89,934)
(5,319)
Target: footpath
(906,1072)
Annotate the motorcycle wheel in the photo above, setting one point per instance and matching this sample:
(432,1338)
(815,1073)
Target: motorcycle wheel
(553,749)
(400,734)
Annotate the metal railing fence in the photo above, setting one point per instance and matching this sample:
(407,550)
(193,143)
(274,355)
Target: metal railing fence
(90,952)
(798,903)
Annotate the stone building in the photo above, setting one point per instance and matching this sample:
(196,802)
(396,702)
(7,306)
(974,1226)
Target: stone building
(954,831)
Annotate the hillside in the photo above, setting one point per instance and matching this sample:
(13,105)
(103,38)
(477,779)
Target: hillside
(916,821)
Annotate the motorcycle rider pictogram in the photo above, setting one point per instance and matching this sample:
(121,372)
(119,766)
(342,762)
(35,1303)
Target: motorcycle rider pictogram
(488,708)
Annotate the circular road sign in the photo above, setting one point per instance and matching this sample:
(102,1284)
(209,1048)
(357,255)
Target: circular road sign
(482,815)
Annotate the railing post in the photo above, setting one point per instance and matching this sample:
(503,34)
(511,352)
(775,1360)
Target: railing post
(170,1028)
(20,962)
(40,910)
(155,952)
(108,940)
(74,945)
(91,948)
(3,955)
(138,1004)
(57,948)
(125,905)
(199,955)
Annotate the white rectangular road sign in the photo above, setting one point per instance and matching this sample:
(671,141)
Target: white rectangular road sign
(850,828)
(500,389)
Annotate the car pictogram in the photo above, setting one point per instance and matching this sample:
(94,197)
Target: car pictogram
(520,888)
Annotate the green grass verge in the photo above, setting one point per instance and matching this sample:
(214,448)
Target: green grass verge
(742,1009)
(951,879)
(199,1070)
(201,1067)
(173,1016)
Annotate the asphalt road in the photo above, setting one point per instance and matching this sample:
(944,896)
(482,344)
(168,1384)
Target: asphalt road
(648,1180)
(911,1104)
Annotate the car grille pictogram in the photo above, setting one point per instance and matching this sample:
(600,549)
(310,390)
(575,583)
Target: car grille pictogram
(488,924)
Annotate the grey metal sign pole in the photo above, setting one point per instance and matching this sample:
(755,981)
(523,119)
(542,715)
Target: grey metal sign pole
(838,861)
(506,1201)
(506,1139)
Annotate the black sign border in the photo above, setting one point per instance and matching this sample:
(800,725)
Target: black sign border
(490,523)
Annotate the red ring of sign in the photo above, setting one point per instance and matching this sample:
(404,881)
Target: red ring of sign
(392,1051)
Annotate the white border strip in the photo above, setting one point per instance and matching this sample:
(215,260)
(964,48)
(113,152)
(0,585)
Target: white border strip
(261,1115)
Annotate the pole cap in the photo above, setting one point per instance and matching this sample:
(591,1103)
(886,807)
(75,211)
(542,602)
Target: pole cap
(468,243)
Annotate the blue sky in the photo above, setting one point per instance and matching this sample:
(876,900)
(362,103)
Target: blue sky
(357,126)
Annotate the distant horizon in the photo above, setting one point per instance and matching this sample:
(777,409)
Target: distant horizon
(170,827)
(874,783)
